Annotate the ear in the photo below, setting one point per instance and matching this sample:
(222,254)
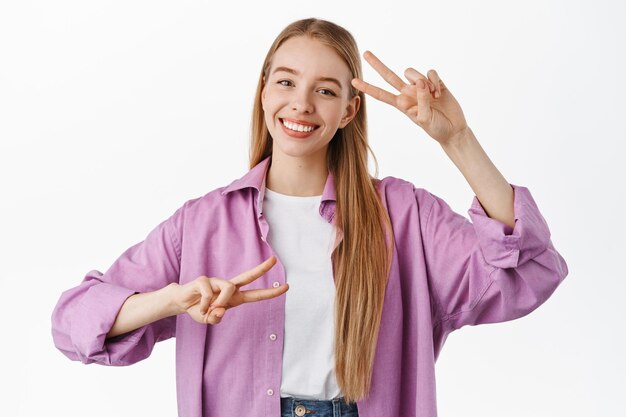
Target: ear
(351,111)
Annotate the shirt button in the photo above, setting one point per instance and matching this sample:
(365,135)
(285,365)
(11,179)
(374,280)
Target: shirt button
(270,392)
(272,336)
(276,284)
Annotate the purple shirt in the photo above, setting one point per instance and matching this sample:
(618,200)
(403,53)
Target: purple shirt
(447,272)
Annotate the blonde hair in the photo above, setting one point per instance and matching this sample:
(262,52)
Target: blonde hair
(362,260)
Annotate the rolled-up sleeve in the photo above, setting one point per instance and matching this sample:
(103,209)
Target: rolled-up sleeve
(484,271)
(85,314)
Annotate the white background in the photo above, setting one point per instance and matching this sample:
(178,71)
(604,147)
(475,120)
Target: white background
(112,114)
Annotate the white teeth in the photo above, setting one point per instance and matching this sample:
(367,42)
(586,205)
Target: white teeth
(297,127)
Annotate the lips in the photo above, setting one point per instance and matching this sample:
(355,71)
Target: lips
(295,133)
(300,122)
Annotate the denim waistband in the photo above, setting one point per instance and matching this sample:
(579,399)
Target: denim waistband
(297,407)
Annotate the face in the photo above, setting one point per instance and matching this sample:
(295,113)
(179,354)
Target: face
(307,88)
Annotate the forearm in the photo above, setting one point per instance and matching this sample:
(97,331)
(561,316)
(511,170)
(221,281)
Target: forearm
(492,190)
(141,309)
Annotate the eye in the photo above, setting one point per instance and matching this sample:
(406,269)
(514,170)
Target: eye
(288,83)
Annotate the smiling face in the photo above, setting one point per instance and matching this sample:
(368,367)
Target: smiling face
(307,88)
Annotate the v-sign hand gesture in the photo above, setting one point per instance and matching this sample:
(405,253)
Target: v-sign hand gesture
(426,100)
(207,299)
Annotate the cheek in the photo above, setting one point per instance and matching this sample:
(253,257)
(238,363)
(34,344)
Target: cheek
(333,115)
(268,120)
(270,104)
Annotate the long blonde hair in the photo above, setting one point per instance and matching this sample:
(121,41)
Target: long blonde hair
(362,260)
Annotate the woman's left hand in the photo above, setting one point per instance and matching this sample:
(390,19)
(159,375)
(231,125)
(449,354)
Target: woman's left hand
(426,100)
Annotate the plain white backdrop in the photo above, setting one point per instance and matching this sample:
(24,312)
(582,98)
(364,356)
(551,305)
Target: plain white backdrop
(113,114)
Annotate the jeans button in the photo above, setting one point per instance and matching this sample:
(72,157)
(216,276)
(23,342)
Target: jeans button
(300,410)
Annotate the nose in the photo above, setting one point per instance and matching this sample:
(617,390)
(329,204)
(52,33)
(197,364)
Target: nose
(302,102)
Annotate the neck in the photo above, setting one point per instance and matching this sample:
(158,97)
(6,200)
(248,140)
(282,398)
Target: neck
(303,177)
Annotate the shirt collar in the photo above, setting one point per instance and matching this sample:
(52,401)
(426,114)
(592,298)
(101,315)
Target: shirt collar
(255,178)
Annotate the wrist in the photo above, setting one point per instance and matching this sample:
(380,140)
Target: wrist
(169,294)
(459,138)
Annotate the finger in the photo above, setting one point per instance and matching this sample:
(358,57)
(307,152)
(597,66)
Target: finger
(206,293)
(387,74)
(408,98)
(413,75)
(263,294)
(377,93)
(434,78)
(218,312)
(252,274)
(226,290)
(423,103)
(215,317)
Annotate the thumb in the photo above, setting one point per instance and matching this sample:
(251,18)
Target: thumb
(421,114)
(423,102)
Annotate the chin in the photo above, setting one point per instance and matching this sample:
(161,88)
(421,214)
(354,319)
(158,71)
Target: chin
(296,150)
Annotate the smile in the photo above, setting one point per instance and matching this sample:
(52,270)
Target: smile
(297,127)
(297,130)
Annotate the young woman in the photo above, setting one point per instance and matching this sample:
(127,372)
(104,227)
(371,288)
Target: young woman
(334,291)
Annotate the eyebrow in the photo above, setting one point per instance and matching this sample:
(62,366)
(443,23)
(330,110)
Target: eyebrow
(295,72)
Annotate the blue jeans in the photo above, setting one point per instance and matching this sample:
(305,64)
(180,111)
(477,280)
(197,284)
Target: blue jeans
(297,407)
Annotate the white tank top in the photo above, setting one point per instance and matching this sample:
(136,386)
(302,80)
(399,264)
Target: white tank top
(303,241)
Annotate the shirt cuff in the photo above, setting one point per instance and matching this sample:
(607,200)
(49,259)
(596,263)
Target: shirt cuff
(506,247)
(93,319)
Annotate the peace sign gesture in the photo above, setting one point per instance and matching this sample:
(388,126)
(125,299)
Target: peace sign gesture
(206,299)
(426,100)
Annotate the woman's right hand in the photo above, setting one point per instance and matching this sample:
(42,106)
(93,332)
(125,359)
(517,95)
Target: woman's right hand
(197,296)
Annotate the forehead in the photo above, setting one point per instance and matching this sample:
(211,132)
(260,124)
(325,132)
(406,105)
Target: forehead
(310,58)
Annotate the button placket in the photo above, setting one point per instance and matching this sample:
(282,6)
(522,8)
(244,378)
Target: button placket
(264,229)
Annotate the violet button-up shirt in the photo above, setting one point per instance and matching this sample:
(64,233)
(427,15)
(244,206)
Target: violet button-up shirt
(447,272)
